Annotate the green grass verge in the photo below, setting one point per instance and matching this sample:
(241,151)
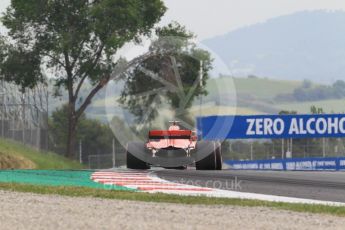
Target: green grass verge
(261,88)
(40,160)
(165,198)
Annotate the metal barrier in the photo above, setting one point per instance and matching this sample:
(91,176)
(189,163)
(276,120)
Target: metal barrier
(293,164)
(24,115)
(106,161)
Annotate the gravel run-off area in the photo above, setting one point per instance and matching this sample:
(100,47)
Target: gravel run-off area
(31,211)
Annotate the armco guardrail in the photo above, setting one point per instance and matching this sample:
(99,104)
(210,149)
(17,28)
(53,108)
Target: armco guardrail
(293,164)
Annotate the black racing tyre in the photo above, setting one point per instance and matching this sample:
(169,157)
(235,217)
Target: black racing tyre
(132,161)
(209,162)
(219,158)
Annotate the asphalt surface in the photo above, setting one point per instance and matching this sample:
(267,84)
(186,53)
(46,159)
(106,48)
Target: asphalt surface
(325,186)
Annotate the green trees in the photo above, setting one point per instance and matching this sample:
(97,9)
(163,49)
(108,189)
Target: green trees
(170,78)
(20,66)
(75,42)
(310,92)
(96,137)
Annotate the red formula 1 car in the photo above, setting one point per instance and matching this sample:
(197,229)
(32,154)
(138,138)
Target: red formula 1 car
(174,148)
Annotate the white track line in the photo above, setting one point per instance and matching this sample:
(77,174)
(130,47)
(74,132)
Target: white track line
(142,181)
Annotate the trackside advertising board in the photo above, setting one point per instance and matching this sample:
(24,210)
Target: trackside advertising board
(293,164)
(271,126)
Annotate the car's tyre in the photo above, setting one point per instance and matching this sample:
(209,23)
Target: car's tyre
(132,161)
(219,158)
(209,162)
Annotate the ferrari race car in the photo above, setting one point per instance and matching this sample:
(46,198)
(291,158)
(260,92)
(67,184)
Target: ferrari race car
(175,149)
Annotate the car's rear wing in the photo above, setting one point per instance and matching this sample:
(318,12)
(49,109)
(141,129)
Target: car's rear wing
(170,134)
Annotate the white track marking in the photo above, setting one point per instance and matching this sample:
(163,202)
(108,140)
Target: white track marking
(147,181)
(143,181)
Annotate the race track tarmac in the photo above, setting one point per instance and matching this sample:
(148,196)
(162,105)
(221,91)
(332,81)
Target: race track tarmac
(325,186)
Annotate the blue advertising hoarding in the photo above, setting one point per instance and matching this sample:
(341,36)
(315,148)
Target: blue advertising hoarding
(293,164)
(271,126)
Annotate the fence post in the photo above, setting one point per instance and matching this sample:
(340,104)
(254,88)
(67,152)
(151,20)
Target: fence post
(251,151)
(80,152)
(23,117)
(2,108)
(324,147)
(291,150)
(114,159)
(283,151)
